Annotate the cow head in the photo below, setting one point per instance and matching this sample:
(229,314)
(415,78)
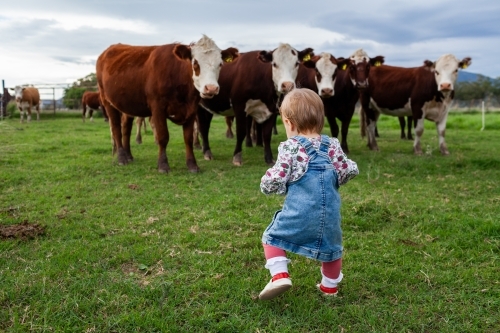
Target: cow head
(285,62)
(446,71)
(206,61)
(359,69)
(18,93)
(326,67)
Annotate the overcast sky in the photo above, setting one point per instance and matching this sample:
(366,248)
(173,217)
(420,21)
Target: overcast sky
(58,41)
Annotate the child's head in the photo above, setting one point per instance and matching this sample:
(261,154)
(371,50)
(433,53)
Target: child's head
(304,108)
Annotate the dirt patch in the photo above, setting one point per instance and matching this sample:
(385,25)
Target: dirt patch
(24,230)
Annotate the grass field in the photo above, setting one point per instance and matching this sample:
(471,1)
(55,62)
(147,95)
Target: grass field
(126,249)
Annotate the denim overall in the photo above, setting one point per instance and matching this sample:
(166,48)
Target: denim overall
(309,222)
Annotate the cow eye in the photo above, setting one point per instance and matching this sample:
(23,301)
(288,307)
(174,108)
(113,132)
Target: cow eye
(437,73)
(274,65)
(456,70)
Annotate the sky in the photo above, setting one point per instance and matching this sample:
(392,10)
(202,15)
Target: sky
(58,41)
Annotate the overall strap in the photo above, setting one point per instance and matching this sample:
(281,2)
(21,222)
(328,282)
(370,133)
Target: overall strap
(310,150)
(325,144)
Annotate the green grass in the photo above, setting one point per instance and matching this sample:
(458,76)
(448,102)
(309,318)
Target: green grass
(127,249)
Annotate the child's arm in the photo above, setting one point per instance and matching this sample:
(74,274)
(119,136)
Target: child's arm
(346,168)
(276,178)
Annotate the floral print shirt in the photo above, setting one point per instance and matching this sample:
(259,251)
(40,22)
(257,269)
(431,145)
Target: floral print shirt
(292,163)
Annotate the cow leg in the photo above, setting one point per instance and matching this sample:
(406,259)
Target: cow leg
(419,130)
(91,111)
(258,130)
(196,134)
(84,111)
(37,108)
(116,133)
(410,125)
(204,120)
(441,129)
(345,130)
(371,125)
(159,121)
(241,131)
(275,128)
(127,125)
(21,113)
(188,129)
(138,135)
(402,125)
(249,123)
(104,113)
(267,131)
(229,124)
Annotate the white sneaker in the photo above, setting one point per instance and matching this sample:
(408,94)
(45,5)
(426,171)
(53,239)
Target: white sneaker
(275,288)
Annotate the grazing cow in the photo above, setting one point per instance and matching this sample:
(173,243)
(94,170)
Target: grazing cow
(92,100)
(161,82)
(27,97)
(251,86)
(339,89)
(424,92)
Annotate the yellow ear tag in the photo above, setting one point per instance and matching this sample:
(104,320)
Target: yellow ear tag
(377,63)
(344,66)
(228,59)
(307,57)
(464,66)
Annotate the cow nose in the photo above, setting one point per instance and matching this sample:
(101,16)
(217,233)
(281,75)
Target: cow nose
(287,86)
(325,92)
(445,86)
(211,89)
(362,84)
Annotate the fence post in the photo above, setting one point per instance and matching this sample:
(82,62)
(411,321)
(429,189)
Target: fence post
(1,102)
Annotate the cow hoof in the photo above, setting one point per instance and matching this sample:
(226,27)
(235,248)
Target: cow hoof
(418,153)
(229,135)
(138,141)
(194,170)
(208,156)
(197,146)
(163,170)
(271,162)
(445,153)
(237,160)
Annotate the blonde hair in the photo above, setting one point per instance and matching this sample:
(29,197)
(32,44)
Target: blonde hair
(304,108)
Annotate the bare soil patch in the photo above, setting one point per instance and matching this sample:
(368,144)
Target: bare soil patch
(23,230)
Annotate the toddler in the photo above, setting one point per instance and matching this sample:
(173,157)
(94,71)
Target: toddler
(309,169)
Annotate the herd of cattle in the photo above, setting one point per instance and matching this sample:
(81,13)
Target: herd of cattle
(188,84)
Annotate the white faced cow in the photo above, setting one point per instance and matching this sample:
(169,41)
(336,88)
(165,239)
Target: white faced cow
(26,98)
(424,92)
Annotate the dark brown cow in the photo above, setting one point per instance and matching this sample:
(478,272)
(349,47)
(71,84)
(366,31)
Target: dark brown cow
(27,97)
(339,89)
(424,92)
(251,86)
(6,97)
(92,100)
(161,82)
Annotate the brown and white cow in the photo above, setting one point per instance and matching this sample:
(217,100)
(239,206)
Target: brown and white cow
(338,82)
(251,86)
(92,100)
(161,82)
(424,92)
(27,97)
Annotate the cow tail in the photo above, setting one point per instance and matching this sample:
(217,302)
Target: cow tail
(362,120)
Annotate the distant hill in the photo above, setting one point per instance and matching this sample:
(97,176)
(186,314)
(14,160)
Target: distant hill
(469,77)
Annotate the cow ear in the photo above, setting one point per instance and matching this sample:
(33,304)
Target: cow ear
(343,63)
(311,63)
(377,61)
(465,63)
(182,52)
(229,54)
(306,54)
(265,56)
(429,65)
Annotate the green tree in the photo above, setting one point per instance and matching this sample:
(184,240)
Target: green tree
(73,95)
